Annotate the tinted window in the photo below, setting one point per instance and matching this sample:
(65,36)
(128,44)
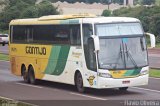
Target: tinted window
(51,34)
(47,34)
(3,35)
(88,47)
(19,34)
(75,35)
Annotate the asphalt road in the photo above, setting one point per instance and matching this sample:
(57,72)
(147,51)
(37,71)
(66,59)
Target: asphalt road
(4,49)
(49,93)
(154,58)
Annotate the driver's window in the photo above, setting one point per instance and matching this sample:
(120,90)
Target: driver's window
(89,47)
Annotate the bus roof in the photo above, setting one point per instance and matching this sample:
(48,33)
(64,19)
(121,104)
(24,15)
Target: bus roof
(71,19)
(52,19)
(109,20)
(63,17)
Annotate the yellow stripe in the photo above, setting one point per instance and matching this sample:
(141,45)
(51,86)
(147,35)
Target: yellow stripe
(118,74)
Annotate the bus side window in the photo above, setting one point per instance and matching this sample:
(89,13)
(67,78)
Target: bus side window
(62,37)
(18,34)
(29,33)
(62,34)
(11,34)
(75,35)
(91,54)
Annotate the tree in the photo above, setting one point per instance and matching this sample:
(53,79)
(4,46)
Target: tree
(15,9)
(149,16)
(46,8)
(157,2)
(106,13)
(91,1)
(3,2)
(30,12)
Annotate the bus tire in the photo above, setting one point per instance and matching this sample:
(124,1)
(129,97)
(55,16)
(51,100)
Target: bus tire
(3,44)
(24,74)
(31,75)
(79,82)
(123,88)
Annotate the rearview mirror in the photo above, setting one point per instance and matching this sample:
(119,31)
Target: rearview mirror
(152,39)
(96,42)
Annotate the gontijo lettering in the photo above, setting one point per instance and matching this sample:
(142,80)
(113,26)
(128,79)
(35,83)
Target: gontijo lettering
(35,50)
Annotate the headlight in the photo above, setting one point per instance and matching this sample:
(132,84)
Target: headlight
(143,72)
(105,75)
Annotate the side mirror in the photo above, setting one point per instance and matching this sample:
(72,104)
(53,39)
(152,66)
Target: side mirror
(152,39)
(96,42)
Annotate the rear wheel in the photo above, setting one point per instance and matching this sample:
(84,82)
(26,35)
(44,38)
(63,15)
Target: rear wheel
(79,83)
(123,89)
(31,75)
(25,74)
(3,44)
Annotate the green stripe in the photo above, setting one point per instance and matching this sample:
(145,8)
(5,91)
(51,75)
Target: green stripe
(132,72)
(75,21)
(71,21)
(62,59)
(52,62)
(57,60)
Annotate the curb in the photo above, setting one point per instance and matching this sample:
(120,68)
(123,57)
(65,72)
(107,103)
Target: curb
(155,68)
(4,61)
(4,53)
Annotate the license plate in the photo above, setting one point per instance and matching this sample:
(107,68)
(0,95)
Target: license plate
(126,82)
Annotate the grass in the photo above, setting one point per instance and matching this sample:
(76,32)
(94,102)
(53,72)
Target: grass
(158,45)
(5,102)
(4,31)
(4,57)
(154,73)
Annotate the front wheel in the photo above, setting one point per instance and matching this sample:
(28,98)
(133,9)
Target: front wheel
(79,83)
(123,89)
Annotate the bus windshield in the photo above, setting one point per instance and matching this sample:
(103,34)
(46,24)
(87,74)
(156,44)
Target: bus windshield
(119,29)
(125,51)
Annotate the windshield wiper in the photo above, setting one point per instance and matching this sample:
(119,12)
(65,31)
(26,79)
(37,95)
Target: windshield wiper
(130,56)
(122,52)
(143,47)
(121,55)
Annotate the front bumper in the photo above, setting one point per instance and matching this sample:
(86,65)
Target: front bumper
(3,42)
(116,83)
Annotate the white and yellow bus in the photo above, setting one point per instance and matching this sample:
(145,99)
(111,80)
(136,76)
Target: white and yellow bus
(82,50)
